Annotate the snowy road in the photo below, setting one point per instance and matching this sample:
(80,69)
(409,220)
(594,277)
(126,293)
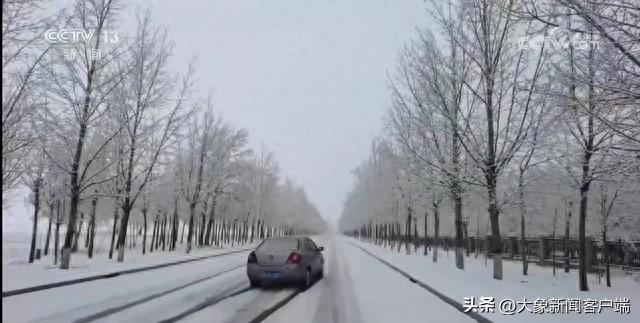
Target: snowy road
(356,289)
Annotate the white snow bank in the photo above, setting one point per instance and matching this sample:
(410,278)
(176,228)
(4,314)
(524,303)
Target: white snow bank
(476,281)
(17,275)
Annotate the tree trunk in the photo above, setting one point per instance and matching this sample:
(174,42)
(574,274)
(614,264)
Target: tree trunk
(589,148)
(36,210)
(233,233)
(203,221)
(175,225)
(164,231)
(182,234)
(56,242)
(457,205)
(477,235)
(192,211)
(154,234)
(262,233)
(130,234)
(124,224)
(399,236)
(582,228)
(495,229)
(605,255)
(523,247)
(86,237)
(113,232)
(46,244)
(415,235)
(426,232)
(218,233)
(466,237)
(246,231)
(436,231)
(407,232)
(523,251)
(74,245)
(92,225)
(553,253)
(159,233)
(144,230)
(74,185)
(253,230)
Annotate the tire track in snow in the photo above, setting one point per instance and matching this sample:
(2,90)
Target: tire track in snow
(339,305)
(264,314)
(210,301)
(123,307)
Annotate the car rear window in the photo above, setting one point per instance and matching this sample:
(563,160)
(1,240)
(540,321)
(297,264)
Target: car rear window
(279,244)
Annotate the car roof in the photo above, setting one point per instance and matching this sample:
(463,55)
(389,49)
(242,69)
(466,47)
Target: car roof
(288,238)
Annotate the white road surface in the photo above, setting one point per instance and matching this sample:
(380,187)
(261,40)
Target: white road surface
(356,289)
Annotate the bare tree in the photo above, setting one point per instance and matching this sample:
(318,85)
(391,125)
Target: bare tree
(192,164)
(80,87)
(223,169)
(488,37)
(606,205)
(22,52)
(35,182)
(426,118)
(146,91)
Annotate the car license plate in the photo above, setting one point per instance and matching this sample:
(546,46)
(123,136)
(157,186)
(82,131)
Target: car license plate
(271,274)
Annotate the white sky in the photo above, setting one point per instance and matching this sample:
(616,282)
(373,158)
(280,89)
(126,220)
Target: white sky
(306,78)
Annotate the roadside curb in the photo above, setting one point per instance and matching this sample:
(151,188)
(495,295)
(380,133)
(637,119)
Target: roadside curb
(36,288)
(450,301)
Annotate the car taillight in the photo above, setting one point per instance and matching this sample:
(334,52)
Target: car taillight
(252,258)
(294,258)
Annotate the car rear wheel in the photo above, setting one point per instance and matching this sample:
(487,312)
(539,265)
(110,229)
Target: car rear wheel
(306,282)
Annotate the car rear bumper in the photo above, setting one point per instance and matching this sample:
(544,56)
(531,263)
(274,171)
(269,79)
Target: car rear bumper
(285,273)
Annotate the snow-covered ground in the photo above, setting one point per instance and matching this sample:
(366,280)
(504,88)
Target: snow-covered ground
(476,281)
(74,302)
(357,288)
(18,273)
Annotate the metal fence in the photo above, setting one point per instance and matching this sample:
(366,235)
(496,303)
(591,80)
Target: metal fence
(544,249)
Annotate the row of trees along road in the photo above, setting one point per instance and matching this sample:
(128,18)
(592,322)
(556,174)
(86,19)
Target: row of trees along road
(516,106)
(102,127)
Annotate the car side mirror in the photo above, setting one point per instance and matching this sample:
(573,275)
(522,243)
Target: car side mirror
(320,248)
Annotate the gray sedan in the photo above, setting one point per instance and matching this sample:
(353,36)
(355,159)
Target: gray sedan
(296,260)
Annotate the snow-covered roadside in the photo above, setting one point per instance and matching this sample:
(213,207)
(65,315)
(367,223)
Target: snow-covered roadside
(152,294)
(21,275)
(476,281)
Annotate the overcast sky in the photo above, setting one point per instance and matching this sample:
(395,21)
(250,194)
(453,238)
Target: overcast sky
(308,79)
